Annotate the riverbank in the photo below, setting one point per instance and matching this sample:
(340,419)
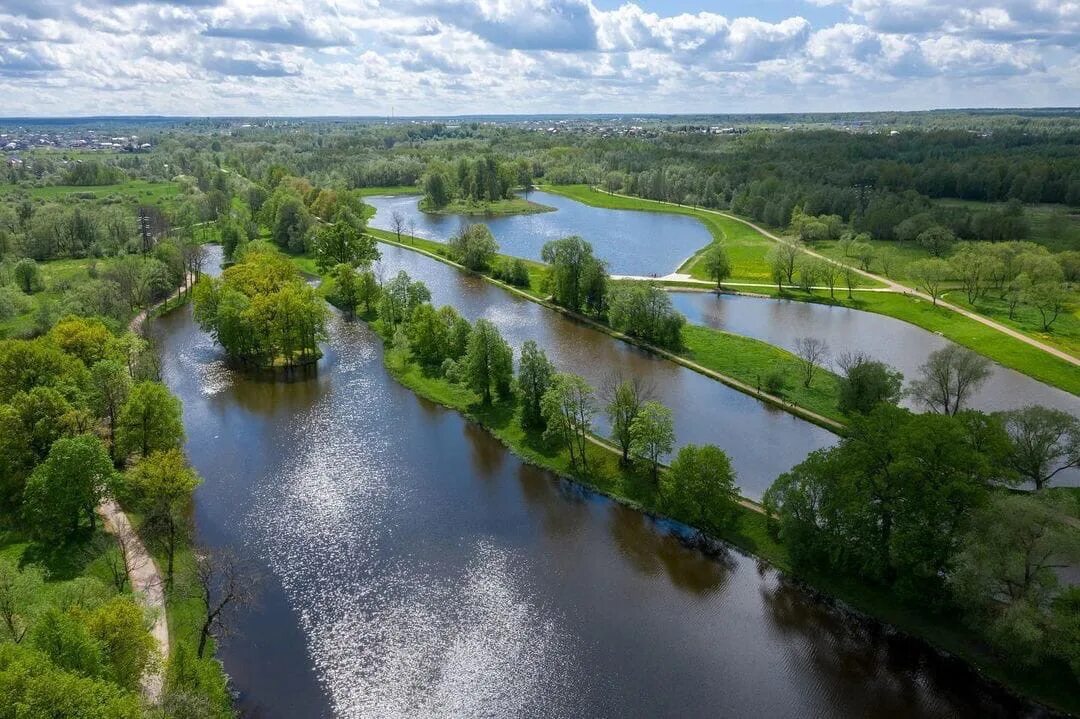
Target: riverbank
(1008,347)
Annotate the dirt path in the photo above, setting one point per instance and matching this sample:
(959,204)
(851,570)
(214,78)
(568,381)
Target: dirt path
(890,285)
(147,583)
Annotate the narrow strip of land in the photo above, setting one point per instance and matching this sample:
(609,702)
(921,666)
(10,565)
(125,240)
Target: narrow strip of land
(890,285)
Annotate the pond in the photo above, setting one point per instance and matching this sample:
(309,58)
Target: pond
(414,568)
(632,243)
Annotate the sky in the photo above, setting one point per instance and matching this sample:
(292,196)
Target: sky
(450,57)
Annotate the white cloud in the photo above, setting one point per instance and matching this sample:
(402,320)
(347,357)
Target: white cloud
(453,56)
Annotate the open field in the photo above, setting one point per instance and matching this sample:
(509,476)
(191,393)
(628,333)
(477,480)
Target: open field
(132,192)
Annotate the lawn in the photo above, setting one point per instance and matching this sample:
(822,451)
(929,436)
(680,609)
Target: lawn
(1064,332)
(141,192)
(752,361)
(496,208)
(59,276)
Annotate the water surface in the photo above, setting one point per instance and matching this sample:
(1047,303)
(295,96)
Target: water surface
(632,243)
(416,568)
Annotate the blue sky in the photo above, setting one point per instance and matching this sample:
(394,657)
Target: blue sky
(362,57)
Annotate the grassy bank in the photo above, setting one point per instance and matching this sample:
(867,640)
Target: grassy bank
(496,208)
(753,361)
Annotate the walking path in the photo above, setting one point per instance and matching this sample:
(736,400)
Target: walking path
(890,285)
(690,279)
(143,573)
(147,583)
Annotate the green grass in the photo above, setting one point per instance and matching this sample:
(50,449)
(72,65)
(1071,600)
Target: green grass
(902,253)
(140,192)
(496,208)
(388,190)
(59,276)
(1064,332)
(752,361)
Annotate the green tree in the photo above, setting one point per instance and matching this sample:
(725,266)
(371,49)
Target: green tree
(1042,443)
(436,190)
(1049,299)
(652,434)
(292,223)
(717,264)
(535,375)
(700,487)
(67,641)
(577,279)
(931,275)
(568,408)
(160,485)
(28,276)
(489,362)
(948,377)
(624,396)
(474,246)
(865,384)
(400,297)
(937,240)
(368,291)
(21,592)
(111,384)
(150,419)
(40,689)
(67,486)
(645,311)
(128,648)
(346,288)
(341,243)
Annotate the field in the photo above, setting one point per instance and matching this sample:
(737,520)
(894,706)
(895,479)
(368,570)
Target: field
(498,208)
(132,192)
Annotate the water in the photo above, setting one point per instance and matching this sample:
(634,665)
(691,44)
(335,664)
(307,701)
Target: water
(632,243)
(417,568)
(762,441)
(897,343)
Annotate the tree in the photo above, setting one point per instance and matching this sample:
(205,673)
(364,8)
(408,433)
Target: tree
(568,408)
(811,352)
(830,274)
(864,253)
(652,434)
(717,264)
(865,384)
(39,687)
(624,397)
(225,584)
(341,243)
(436,190)
(292,223)
(975,270)
(948,377)
(700,487)
(161,485)
(474,246)
(397,223)
(346,288)
(930,274)
(111,382)
(28,276)
(489,362)
(782,259)
(937,240)
(119,626)
(645,311)
(67,486)
(368,291)
(577,279)
(20,590)
(400,297)
(1006,569)
(535,375)
(149,420)
(850,277)
(1049,299)
(1043,442)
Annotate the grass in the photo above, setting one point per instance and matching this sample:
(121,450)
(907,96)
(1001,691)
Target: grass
(59,276)
(752,361)
(1064,332)
(495,208)
(132,192)
(388,190)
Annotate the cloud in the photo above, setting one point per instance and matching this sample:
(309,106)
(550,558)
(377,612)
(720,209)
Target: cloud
(25,60)
(279,24)
(248,67)
(560,25)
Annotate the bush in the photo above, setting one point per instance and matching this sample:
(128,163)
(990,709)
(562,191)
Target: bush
(775,383)
(513,272)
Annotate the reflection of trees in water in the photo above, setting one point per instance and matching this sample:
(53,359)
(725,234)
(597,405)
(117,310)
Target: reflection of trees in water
(561,505)
(651,550)
(898,676)
(486,452)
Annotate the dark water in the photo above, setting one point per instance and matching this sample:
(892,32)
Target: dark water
(762,441)
(416,568)
(633,243)
(897,343)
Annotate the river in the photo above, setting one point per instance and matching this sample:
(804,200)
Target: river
(414,567)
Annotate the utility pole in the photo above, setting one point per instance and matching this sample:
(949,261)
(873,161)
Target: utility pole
(145,231)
